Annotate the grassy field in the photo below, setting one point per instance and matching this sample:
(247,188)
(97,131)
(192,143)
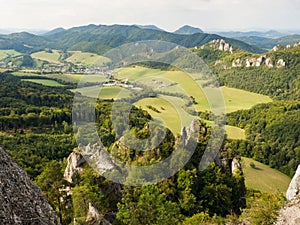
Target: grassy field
(104,92)
(52,57)
(73,78)
(235,133)
(264,178)
(6,53)
(45,82)
(87,58)
(170,114)
(234,99)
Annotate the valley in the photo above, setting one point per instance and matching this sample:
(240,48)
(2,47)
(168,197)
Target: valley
(157,107)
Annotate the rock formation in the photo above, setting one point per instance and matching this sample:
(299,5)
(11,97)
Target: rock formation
(192,131)
(98,158)
(280,63)
(235,166)
(257,62)
(219,44)
(21,201)
(290,214)
(294,187)
(93,215)
(75,161)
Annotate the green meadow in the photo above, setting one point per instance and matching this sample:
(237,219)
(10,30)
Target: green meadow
(6,53)
(263,178)
(180,82)
(51,57)
(45,82)
(87,58)
(103,92)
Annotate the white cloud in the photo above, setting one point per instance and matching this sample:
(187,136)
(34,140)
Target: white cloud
(169,14)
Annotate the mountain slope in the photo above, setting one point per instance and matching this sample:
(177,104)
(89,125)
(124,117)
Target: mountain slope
(188,30)
(101,38)
(268,43)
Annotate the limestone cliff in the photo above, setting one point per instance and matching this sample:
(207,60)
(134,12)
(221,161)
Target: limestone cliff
(21,201)
(95,155)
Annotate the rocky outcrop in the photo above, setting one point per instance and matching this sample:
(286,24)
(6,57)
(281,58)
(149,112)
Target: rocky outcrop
(93,216)
(75,161)
(257,62)
(294,187)
(280,63)
(219,44)
(290,214)
(269,63)
(235,166)
(21,201)
(192,131)
(96,156)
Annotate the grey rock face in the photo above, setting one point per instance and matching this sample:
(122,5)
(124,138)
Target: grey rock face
(290,214)
(75,160)
(93,215)
(294,188)
(21,201)
(98,158)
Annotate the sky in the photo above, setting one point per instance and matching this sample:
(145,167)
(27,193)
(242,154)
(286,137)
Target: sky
(168,14)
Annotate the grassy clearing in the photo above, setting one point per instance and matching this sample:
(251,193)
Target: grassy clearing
(87,58)
(103,92)
(235,133)
(264,178)
(234,99)
(72,78)
(51,57)
(45,82)
(6,53)
(167,113)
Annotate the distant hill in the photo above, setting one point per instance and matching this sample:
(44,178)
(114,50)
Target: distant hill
(55,31)
(150,27)
(188,30)
(101,38)
(268,43)
(268,34)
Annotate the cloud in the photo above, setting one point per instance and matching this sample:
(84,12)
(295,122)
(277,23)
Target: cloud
(169,14)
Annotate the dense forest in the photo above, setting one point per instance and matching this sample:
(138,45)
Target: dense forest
(36,129)
(273,134)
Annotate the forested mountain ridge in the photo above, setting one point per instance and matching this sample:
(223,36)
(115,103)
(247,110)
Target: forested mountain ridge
(99,39)
(274,73)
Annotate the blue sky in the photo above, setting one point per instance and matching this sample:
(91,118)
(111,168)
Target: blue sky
(167,14)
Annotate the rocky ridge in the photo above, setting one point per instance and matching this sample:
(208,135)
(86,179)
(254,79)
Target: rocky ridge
(21,201)
(219,44)
(257,62)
